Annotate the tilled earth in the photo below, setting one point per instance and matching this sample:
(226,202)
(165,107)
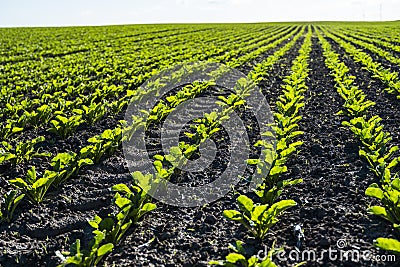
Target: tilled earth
(331,202)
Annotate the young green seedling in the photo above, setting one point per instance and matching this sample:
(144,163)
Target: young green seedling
(23,152)
(132,205)
(258,219)
(8,205)
(92,113)
(33,187)
(64,126)
(9,129)
(70,163)
(104,144)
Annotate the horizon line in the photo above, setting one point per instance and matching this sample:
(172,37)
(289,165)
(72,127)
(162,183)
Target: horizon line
(178,23)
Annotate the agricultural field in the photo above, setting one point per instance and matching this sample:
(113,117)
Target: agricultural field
(330,180)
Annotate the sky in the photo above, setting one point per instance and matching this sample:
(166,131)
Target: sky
(102,12)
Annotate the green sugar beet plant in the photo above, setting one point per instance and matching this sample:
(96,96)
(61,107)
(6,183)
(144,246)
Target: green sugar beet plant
(67,164)
(65,126)
(389,195)
(33,187)
(10,128)
(92,113)
(104,144)
(132,204)
(42,114)
(23,151)
(8,204)
(258,218)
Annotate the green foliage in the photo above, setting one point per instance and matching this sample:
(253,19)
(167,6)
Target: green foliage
(132,204)
(233,100)
(117,106)
(166,165)
(375,143)
(68,165)
(388,244)
(258,219)
(271,164)
(260,71)
(64,126)
(92,113)
(104,144)
(389,195)
(160,111)
(78,257)
(33,187)
(42,114)
(8,204)
(384,74)
(205,127)
(355,104)
(9,129)
(23,152)
(188,92)
(129,130)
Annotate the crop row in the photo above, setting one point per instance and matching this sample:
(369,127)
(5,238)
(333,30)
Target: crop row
(388,35)
(373,39)
(54,47)
(36,40)
(375,146)
(259,215)
(371,47)
(389,78)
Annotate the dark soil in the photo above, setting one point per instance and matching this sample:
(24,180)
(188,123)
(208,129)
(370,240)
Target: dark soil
(334,176)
